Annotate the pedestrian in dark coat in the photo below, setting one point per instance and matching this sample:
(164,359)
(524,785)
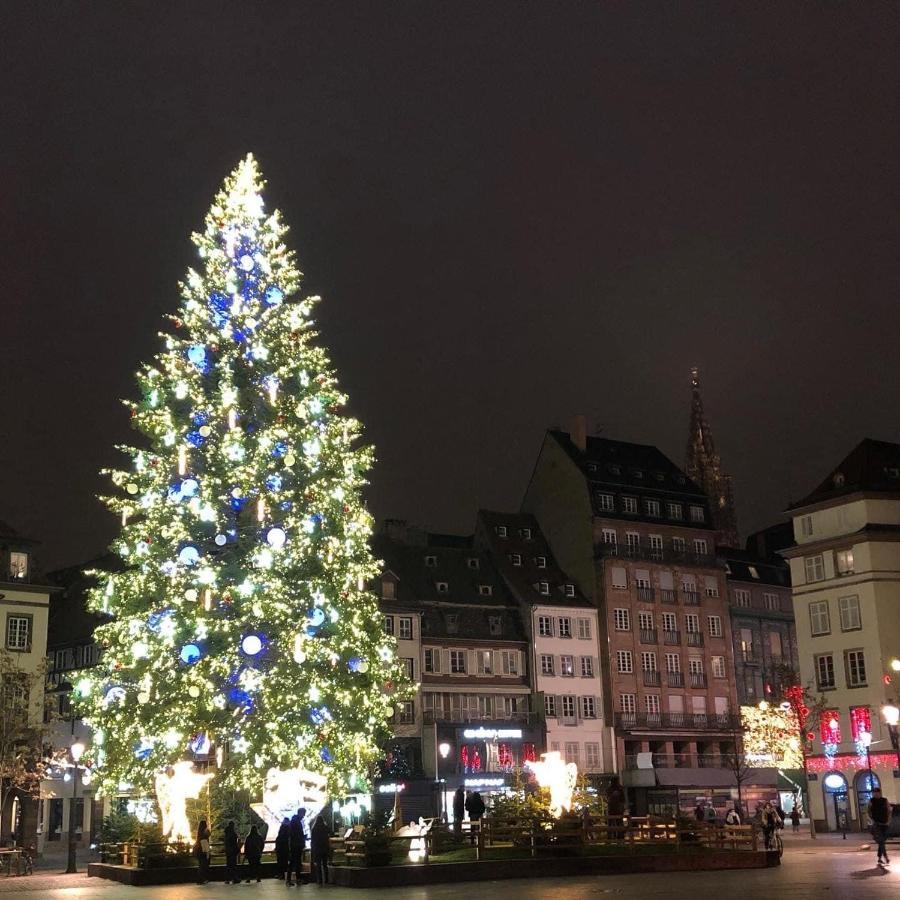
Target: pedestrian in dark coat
(201,851)
(297,846)
(475,809)
(232,851)
(459,809)
(319,850)
(615,808)
(283,850)
(253,848)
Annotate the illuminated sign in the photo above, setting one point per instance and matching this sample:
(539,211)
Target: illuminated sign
(391,788)
(835,782)
(493,734)
(485,782)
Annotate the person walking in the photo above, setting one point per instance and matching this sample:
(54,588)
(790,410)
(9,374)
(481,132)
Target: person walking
(733,817)
(297,846)
(232,851)
(253,848)
(795,819)
(201,851)
(880,816)
(615,808)
(459,809)
(319,850)
(475,809)
(770,821)
(283,851)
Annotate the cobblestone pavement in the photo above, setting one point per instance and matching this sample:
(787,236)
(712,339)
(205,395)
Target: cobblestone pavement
(827,868)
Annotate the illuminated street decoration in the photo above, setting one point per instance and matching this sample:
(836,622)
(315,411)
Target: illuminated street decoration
(558,777)
(174,786)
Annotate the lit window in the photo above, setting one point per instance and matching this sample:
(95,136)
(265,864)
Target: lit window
(387,589)
(753,572)
(567,666)
(844,562)
(485,661)
(18,565)
(718,666)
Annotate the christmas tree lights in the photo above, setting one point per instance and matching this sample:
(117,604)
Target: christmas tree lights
(241,626)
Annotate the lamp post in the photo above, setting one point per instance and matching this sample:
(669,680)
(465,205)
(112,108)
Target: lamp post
(891,715)
(76,751)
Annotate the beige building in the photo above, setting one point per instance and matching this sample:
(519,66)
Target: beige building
(845,570)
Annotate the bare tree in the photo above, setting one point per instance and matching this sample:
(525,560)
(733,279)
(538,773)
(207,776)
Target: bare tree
(735,760)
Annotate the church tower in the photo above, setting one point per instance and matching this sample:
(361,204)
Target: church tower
(703,465)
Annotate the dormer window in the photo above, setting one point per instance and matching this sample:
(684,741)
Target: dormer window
(431,562)
(515,559)
(388,591)
(525,534)
(485,590)
(544,588)
(892,472)
(659,476)
(638,474)
(615,470)
(591,467)
(452,622)
(838,479)
(473,562)
(442,587)
(501,531)
(570,590)
(541,562)
(496,625)
(697,514)
(753,572)
(18,565)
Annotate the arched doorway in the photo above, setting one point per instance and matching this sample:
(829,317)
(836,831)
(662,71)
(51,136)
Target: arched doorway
(863,784)
(837,803)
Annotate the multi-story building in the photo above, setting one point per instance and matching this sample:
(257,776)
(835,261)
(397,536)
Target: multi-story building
(637,536)
(845,570)
(762,623)
(562,627)
(24,608)
(476,696)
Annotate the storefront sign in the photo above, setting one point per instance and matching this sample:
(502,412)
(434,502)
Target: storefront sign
(484,782)
(493,734)
(391,788)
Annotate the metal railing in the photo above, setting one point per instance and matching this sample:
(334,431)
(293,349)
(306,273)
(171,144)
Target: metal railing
(671,637)
(668,596)
(651,677)
(691,598)
(645,594)
(698,679)
(675,679)
(648,636)
(667,554)
(718,722)
(678,761)
(694,639)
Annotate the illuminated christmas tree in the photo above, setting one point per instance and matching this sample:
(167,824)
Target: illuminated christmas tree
(241,628)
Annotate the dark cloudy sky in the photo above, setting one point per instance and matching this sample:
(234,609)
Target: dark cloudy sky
(515,212)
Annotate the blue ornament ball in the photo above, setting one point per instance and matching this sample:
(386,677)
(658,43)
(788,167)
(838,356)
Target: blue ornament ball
(325,753)
(274,295)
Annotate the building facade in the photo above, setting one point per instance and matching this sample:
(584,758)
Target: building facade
(845,570)
(636,534)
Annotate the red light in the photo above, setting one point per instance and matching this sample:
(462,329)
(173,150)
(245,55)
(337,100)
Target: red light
(810,735)
(886,679)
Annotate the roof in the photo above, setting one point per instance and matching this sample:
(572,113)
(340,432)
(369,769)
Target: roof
(70,623)
(525,539)
(871,466)
(769,571)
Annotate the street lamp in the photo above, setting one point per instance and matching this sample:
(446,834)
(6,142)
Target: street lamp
(76,751)
(891,716)
(865,738)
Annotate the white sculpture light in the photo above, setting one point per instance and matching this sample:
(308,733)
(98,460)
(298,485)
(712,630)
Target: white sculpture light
(558,777)
(174,786)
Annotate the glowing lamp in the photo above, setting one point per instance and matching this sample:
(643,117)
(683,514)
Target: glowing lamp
(444,750)
(891,714)
(895,664)
(865,738)
(77,750)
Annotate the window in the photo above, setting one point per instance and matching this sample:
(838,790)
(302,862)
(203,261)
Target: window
(473,562)
(18,565)
(404,630)
(409,667)
(711,586)
(695,665)
(673,663)
(550,706)
(718,666)
(819,620)
(656,546)
(651,704)
(547,664)
(855,661)
(584,629)
(587,666)
(14,696)
(565,626)
(406,712)
(525,534)
(806,528)
(860,722)
(510,662)
(629,505)
(844,562)
(632,541)
(501,531)
(624,661)
(18,632)
(741,597)
(850,618)
(622,619)
(606,502)
(511,707)
(669,621)
(544,588)
(545,626)
(568,706)
(648,662)
(753,572)
(485,661)
(442,587)
(618,578)
(701,548)
(815,568)
(775,646)
(771,602)
(588,708)
(652,507)
(431,561)
(457,662)
(715,626)
(388,624)
(610,537)
(692,623)
(645,620)
(388,589)
(614,469)
(825,671)
(592,755)
(673,511)
(515,559)
(496,624)
(566,666)
(678,544)
(627,704)
(569,590)
(697,514)
(432,659)
(485,590)
(541,562)
(452,622)
(637,473)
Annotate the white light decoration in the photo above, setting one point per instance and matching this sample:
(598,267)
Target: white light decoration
(173,788)
(139,649)
(252,644)
(558,777)
(275,537)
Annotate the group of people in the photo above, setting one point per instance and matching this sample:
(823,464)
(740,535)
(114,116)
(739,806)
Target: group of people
(470,802)
(290,844)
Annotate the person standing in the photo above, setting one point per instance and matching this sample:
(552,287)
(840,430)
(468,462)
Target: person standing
(283,851)
(770,822)
(201,851)
(733,817)
(699,813)
(253,848)
(459,809)
(475,809)
(795,819)
(297,846)
(711,817)
(232,851)
(319,850)
(880,815)
(615,808)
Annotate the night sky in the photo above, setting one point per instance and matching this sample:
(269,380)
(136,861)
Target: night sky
(515,212)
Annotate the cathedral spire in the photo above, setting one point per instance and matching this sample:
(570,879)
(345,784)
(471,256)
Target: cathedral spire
(704,466)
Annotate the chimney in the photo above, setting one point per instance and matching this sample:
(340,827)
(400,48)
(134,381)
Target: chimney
(578,432)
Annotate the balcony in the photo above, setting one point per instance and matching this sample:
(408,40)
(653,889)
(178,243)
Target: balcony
(694,639)
(656,554)
(649,636)
(645,594)
(697,679)
(671,637)
(750,656)
(677,722)
(675,679)
(668,596)
(678,761)
(464,717)
(651,678)
(691,598)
